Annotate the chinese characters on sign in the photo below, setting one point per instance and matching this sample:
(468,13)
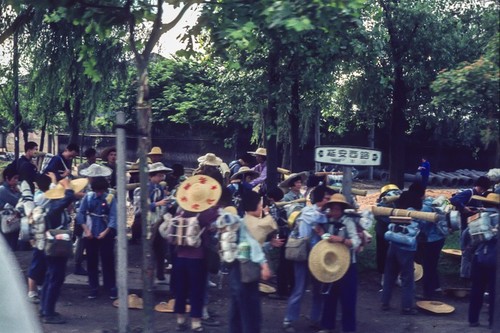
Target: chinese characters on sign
(347,156)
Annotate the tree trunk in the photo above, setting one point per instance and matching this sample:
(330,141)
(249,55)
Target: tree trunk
(15,105)
(398,126)
(294,119)
(271,114)
(44,129)
(144,132)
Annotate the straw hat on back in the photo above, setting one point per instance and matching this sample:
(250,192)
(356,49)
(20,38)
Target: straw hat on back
(57,192)
(329,262)
(198,193)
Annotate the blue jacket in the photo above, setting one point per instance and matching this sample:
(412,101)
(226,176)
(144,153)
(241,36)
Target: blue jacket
(58,164)
(56,217)
(101,211)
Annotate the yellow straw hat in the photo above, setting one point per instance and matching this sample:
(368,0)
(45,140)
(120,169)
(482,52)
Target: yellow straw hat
(435,306)
(328,262)
(168,307)
(388,187)
(293,176)
(338,198)
(198,193)
(210,159)
(259,151)
(155,151)
(57,192)
(266,289)
(245,170)
(134,302)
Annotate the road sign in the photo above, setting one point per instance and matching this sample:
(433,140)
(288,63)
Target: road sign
(345,155)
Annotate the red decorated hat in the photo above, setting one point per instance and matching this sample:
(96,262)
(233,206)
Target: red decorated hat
(198,193)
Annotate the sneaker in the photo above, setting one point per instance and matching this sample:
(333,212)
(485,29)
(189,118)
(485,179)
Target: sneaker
(54,319)
(34,299)
(79,270)
(92,294)
(113,294)
(212,284)
(209,321)
(288,328)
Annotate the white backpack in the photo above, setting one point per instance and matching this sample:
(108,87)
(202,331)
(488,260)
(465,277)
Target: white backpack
(181,231)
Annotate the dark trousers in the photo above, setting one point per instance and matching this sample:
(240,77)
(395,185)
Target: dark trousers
(284,275)
(105,250)
(399,262)
(190,282)
(345,291)
(136,229)
(38,267)
(160,247)
(430,260)
(382,247)
(245,314)
(483,279)
(54,279)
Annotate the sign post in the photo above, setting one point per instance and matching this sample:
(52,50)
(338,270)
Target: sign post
(348,157)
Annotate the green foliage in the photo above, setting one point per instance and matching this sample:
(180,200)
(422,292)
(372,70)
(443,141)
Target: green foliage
(470,93)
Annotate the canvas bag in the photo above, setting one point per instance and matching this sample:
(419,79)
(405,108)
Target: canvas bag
(250,271)
(295,247)
(58,243)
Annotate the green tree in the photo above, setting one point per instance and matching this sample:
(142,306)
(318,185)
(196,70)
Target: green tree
(470,93)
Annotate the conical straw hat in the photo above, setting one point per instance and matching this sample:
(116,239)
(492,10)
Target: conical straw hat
(198,193)
(168,307)
(134,302)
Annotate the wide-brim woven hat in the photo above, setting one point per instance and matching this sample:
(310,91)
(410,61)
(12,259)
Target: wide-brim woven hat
(155,151)
(245,170)
(435,306)
(134,167)
(134,302)
(210,159)
(158,167)
(418,271)
(57,192)
(328,262)
(287,182)
(168,307)
(338,198)
(266,289)
(96,170)
(198,193)
(259,151)
(492,198)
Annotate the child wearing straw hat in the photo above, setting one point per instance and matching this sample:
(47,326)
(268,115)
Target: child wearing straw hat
(245,313)
(61,197)
(197,196)
(97,216)
(308,218)
(340,228)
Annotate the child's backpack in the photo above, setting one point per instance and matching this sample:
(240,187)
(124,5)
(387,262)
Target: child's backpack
(363,222)
(228,224)
(181,231)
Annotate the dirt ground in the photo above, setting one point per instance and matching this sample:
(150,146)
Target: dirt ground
(93,316)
